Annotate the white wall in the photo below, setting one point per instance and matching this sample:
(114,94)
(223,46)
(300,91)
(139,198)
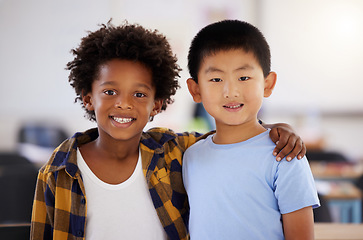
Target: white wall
(318,56)
(37,36)
(315,50)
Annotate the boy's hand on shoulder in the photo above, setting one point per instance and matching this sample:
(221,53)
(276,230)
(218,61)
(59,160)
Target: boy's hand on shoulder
(288,143)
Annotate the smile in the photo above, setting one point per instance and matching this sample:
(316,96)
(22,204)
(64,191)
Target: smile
(122,120)
(233,106)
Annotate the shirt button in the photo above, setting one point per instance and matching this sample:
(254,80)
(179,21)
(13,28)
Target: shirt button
(83,201)
(79,233)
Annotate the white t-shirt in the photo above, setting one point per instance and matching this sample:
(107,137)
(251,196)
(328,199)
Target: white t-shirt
(119,211)
(239,191)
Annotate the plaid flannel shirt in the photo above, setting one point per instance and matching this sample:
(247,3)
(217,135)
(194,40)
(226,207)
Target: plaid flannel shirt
(60,202)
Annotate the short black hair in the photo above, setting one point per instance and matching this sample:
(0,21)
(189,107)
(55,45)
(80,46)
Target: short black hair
(228,35)
(126,42)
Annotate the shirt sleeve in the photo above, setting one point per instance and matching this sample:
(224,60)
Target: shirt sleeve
(295,186)
(187,139)
(40,219)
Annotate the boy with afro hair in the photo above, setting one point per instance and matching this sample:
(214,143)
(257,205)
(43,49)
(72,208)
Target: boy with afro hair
(117,181)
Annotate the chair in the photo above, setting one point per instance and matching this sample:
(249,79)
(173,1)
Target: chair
(327,156)
(44,135)
(359,184)
(37,140)
(15,231)
(322,213)
(17,183)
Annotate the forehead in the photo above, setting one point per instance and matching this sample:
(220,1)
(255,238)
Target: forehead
(225,59)
(120,66)
(122,71)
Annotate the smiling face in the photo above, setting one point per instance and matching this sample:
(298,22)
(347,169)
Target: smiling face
(123,99)
(231,86)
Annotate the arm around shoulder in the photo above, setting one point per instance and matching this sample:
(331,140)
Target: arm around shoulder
(288,143)
(299,225)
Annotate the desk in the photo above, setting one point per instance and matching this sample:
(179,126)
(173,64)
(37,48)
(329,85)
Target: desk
(336,170)
(333,231)
(346,196)
(15,231)
(334,180)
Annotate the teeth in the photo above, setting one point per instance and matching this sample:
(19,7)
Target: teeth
(122,120)
(235,106)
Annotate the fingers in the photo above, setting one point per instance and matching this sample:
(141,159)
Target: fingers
(288,144)
(293,147)
(283,147)
(281,144)
(274,135)
(302,152)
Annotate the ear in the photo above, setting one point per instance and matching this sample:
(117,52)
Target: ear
(87,102)
(270,82)
(194,90)
(158,104)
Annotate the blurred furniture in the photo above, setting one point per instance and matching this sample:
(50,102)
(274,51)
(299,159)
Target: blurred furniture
(334,176)
(42,134)
(334,231)
(343,196)
(323,155)
(349,200)
(322,213)
(37,140)
(336,170)
(20,231)
(359,184)
(17,183)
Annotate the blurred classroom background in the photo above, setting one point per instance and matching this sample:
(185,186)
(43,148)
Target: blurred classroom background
(316,52)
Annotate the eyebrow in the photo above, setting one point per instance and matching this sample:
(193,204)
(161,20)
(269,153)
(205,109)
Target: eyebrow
(107,83)
(214,69)
(137,85)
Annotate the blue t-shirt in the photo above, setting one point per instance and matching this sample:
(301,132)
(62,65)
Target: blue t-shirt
(239,191)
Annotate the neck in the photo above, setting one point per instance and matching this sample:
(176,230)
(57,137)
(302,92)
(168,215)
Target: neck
(116,149)
(228,134)
(111,160)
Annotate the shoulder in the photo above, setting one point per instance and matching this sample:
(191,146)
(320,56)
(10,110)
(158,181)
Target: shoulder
(157,137)
(296,164)
(159,132)
(65,153)
(200,144)
(162,136)
(296,172)
(59,154)
(300,191)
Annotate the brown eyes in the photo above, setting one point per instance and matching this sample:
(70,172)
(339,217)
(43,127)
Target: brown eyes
(244,78)
(220,80)
(109,92)
(112,93)
(139,95)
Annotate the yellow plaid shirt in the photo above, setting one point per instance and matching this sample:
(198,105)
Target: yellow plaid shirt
(60,202)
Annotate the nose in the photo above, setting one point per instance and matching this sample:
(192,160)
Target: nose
(230,90)
(123,102)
